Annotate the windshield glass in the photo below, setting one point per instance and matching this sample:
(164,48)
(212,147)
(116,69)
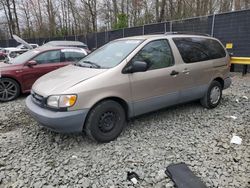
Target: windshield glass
(24,57)
(111,54)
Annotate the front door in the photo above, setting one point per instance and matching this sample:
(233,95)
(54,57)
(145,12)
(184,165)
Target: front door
(46,62)
(159,86)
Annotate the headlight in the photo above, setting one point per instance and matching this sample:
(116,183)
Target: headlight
(61,101)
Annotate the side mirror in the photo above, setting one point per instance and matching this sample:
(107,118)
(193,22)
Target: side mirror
(136,66)
(31,63)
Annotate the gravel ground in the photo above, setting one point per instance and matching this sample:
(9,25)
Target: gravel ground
(31,156)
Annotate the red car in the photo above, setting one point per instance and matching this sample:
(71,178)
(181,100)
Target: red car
(18,75)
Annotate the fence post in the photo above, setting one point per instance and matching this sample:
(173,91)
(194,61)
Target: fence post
(171,29)
(212,29)
(122,32)
(165,27)
(86,39)
(95,39)
(143,30)
(107,36)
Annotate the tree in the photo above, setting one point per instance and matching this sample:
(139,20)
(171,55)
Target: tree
(122,21)
(50,18)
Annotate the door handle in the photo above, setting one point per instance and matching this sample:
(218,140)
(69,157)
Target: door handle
(186,71)
(174,73)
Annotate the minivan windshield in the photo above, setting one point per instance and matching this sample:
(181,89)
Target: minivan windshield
(110,54)
(23,57)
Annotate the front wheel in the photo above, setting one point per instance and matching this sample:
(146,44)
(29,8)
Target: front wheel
(213,96)
(9,89)
(105,121)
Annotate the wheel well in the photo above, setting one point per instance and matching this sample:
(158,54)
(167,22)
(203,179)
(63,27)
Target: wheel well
(20,87)
(220,80)
(122,102)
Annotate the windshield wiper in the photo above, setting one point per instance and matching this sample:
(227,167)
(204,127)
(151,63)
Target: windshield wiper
(94,65)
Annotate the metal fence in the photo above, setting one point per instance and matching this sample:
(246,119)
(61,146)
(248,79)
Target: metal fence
(231,27)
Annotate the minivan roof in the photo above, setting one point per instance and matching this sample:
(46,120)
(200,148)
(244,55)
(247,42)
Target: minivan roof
(168,34)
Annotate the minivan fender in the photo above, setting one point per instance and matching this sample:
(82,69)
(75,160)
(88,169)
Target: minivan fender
(128,107)
(219,79)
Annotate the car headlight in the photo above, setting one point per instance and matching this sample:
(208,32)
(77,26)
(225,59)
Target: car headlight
(61,101)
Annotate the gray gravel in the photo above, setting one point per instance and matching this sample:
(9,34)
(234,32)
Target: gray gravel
(31,156)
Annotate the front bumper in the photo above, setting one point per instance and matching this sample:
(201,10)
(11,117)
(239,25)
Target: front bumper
(66,122)
(227,82)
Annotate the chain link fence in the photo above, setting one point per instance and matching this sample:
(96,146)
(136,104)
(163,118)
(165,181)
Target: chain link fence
(231,27)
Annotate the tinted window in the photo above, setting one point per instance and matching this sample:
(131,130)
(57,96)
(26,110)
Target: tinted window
(157,54)
(199,49)
(73,56)
(48,57)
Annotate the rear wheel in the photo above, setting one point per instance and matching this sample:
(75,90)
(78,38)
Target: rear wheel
(213,96)
(105,121)
(9,89)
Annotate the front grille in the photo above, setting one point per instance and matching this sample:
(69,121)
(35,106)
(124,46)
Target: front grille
(38,99)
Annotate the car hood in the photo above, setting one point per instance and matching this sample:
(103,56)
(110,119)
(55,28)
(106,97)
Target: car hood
(18,39)
(58,81)
(6,66)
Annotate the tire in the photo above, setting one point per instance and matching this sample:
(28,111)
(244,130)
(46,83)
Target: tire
(213,96)
(9,89)
(105,121)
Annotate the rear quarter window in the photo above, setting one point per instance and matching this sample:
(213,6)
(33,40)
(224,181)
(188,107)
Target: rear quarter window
(195,49)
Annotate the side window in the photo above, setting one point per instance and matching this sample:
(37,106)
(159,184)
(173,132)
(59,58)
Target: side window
(48,57)
(73,56)
(195,49)
(157,54)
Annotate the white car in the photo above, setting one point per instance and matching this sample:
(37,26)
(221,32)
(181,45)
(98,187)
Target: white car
(13,52)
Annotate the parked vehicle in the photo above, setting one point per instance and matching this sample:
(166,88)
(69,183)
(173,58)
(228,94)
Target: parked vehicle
(68,43)
(129,77)
(17,75)
(21,46)
(13,52)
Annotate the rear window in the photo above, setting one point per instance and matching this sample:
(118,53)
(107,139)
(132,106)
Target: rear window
(195,49)
(73,56)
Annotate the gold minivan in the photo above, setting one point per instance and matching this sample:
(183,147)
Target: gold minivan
(129,77)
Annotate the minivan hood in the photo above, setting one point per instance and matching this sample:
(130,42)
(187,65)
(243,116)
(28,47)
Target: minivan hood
(58,81)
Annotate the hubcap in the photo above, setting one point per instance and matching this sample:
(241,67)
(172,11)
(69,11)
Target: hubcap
(107,121)
(8,90)
(215,95)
